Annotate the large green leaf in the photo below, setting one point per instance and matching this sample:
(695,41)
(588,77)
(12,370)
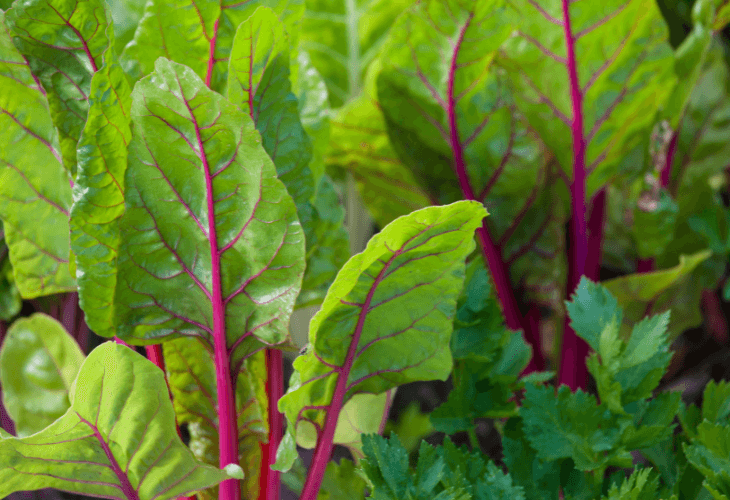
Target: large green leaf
(209,231)
(624,67)
(117,440)
(197,33)
(344,37)
(63,42)
(39,361)
(35,190)
(191,375)
(99,193)
(409,276)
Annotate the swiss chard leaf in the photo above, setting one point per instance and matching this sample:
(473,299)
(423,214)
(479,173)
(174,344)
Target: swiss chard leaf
(63,43)
(191,372)
(10,301)
(99,192)
(208,228)
(35,189)
(624,66)
(39,361)
(397,294)
(117,440)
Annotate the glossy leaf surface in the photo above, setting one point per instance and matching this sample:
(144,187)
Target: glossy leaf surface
(39,361)
(208,226)
(624,69)
(117,440)
(63,42)
(99,193)
(386,319)
(35,190)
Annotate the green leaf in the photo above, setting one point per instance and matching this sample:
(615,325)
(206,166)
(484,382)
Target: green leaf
(341,482)
(637,486)
(10,301)
(709,454)
(99,193)
(343,38)
(409,274)
(258,82)
(201,194)
(63,42)
(117,440)
(653,226)
(624,66)
(328,243)
(412,426)
(658,289)
(198,34)
(191,376)
(572,425)
(35,190)
(442,473)
(716,401)
(39,361)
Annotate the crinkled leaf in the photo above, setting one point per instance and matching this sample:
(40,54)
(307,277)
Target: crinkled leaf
(359,143)
(258,82)
(39,361)
(63,43)
(197,33)
(400,292)
(208,229)
(126,15)
(99,193)
(191,375)
(35,190)
(658,289)
(117,440)
(343,38)
(624,66)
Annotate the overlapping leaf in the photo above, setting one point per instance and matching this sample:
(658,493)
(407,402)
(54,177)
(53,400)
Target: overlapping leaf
(99,193)
(35,190)
(451,118)
(117,440)
(10,301)
(39,361)
(197,33)
(191,375)
(208,229)
(386,319)
(343,38)
(63,42)
(625,73)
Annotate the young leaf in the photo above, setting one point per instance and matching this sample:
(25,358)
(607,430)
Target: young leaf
(708,453)
(386,320)
(99,192)
(637,486)
(198,34)
(63,42)
(624,67)
(209,234)
(39,361)
(117,440)
(191,375)
(35,190)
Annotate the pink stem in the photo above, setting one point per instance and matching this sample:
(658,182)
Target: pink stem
(269,479)
(572,370)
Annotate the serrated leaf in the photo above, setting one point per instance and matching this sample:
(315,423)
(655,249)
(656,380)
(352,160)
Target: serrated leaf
(99,192)
(716,401)
(709,454)
(117,440)
(35,189)
(410,273)
(624,67)
(63,43)
(209,231)
(39,361)
(197,33)
(637,486)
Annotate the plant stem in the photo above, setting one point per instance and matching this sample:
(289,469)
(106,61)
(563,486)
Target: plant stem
(572,370)
(473,439)
(269,479)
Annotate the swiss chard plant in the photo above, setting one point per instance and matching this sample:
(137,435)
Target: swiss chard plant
(170,179)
